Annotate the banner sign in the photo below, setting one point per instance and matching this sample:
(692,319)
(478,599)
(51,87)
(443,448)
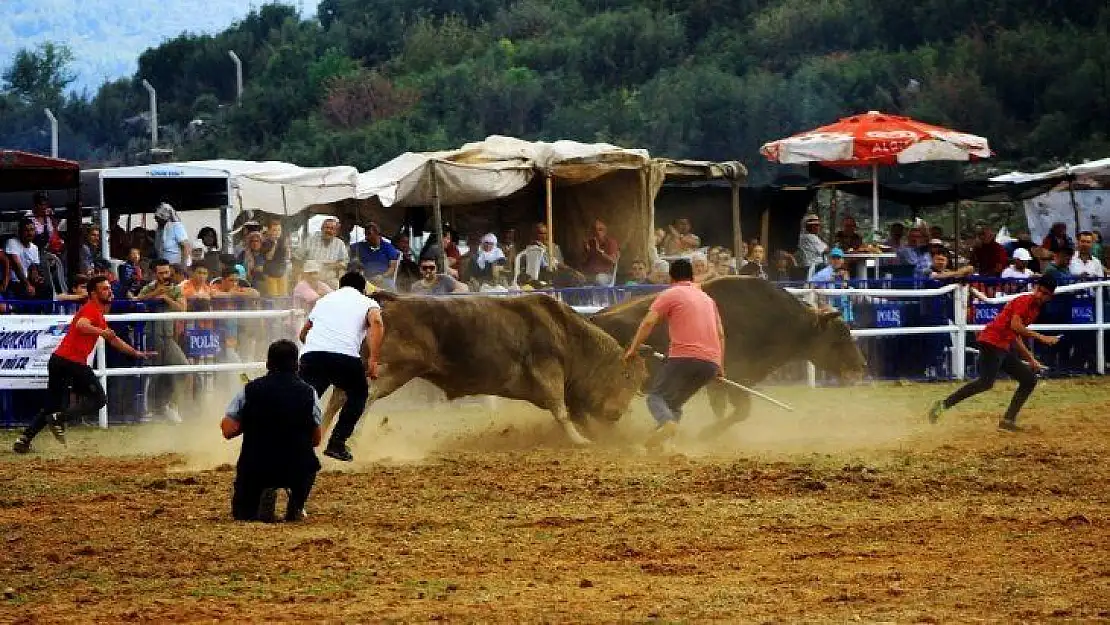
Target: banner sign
(1083,311)
(985,313)
(26,345)
(1044,210)
(202,342)
(888,316)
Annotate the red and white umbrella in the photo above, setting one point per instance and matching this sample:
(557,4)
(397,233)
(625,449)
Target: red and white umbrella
(875,139)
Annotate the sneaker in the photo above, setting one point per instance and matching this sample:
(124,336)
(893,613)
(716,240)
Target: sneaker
(936,410)
(1010,426)
(339,452)
(661,435)
(172,415)
(57,427)
(266,505)
(21,445)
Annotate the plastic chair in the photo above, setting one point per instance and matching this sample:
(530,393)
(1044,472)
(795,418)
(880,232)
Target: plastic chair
(533,257)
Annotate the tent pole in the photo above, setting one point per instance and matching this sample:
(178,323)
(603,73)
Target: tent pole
(833,215)
(547,186)
(737,234)
(956,238)
(105,253)
(875,199)
(765,230)
(437,215)
(1074,204)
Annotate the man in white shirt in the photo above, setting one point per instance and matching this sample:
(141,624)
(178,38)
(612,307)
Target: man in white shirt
(23,253)
(811,248)
(171,240)
(1083,264)
(326,248)
(333,335)
(1019,269)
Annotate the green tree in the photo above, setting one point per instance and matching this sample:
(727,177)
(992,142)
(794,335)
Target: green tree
(40,76)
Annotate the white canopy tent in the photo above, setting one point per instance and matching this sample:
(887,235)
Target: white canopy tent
(1084,208)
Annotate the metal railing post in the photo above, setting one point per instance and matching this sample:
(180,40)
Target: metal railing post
(102,375)
(811,370)
(959,359)
(1100,333)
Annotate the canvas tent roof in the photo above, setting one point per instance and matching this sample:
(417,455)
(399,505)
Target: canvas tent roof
(276,187)
(1099,169)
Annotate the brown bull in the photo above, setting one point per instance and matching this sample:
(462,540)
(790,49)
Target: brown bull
(531,347)
(765,328)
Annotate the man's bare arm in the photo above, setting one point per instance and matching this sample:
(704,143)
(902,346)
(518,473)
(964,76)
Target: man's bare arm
(304,331)
(642,332)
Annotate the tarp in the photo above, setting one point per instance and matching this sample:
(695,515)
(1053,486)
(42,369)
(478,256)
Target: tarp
(926,194)
(491,169)
(1099,169)
(276,187)
(24,171)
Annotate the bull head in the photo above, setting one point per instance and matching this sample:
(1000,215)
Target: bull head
(834,350)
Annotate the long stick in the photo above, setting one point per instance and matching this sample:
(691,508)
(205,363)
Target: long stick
(740,386)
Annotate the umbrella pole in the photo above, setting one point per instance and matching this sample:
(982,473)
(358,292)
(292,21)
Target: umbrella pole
(549,217)
(875,200)
(437,215)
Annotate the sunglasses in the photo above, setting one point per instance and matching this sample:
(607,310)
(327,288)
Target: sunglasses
(427,268)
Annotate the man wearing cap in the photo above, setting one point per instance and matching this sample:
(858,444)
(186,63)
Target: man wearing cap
(834,271)
(811,249)
(171,240)
(1019,270)
(997,344)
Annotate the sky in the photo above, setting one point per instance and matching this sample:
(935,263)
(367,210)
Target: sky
(107,36)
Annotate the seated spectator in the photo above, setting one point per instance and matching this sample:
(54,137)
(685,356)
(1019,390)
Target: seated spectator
(848,238)
(601,254)
(811,248)
(937,246)
(210,248)
(940,269)
(784,267)
(988,257)
(723,265)
(275,250)
(310,288)
(702,271)
(178,273)
(660,273)
(433,250)
(936,232)
(22,254)
(897,236)
(637,273)
(79,292)
(47,237)
(679,239)
(408,270)
(1025,242)
(1019,268)
(378,257)
(279,418)
(487,262)
(432,283)
(508,243)
(756,263)
(660,238)
(1084,264)
(915,252)
(253,259)
(835,271)
(1061,264)
(327,249)
(1057,238)
(89,249)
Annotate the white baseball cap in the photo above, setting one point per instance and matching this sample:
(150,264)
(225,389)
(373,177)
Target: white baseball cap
(1022,254)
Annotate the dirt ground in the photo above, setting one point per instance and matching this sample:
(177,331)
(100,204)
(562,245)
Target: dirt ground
(851,508)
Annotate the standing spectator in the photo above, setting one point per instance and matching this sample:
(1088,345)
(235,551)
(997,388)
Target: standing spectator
(275,248)
(660,272)
(756,264)
(377,256)
(23,253)
(1019,270)
(660,239)
(1097,249)
(703,272)
(1084,264)
(811,249)
(936,232)
(897,234)
(171,240)
(487,261)
(834,271)
(637,274)
(679,239)
(602,252)
(210,245)
(327,249)
(90,249)
(848,238)
(784,267)
(988,257)
(432,283)
(508,243)
(79,292)
(916,253)
(1057,238)
(1024,241)
(1061,265)
(165,295)
(940,269)
(310,288)
(47,236)
(724,265)
(253,259)
(178,273)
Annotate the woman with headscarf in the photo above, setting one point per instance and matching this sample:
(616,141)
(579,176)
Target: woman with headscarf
(171,240)
(487,263)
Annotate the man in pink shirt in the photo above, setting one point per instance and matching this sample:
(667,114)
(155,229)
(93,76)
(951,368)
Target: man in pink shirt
(697,345)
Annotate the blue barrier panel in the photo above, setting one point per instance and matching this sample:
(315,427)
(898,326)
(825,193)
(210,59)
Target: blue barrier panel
(202,342)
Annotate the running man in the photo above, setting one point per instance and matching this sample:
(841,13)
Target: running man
(332,337)
(997,343)
(697,346)
(68,366)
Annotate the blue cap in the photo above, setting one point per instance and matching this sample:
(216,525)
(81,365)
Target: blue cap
(836,253)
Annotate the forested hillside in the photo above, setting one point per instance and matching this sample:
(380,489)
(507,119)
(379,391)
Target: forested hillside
(364,80)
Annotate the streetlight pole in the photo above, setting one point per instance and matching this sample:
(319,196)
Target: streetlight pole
(153,113)
(238,75)
(53,132)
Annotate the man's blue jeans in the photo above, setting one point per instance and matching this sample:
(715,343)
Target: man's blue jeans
(675,383)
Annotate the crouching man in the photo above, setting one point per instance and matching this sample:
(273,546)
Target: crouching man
(277,415)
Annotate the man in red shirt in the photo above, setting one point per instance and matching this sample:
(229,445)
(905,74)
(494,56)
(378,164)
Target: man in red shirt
(989,257)
(697,346)
(68,366)
(601,253)
(997,343)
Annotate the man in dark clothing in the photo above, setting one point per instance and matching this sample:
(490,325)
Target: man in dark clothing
(279,419)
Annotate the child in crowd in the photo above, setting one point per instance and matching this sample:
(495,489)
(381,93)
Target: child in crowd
(131,273)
